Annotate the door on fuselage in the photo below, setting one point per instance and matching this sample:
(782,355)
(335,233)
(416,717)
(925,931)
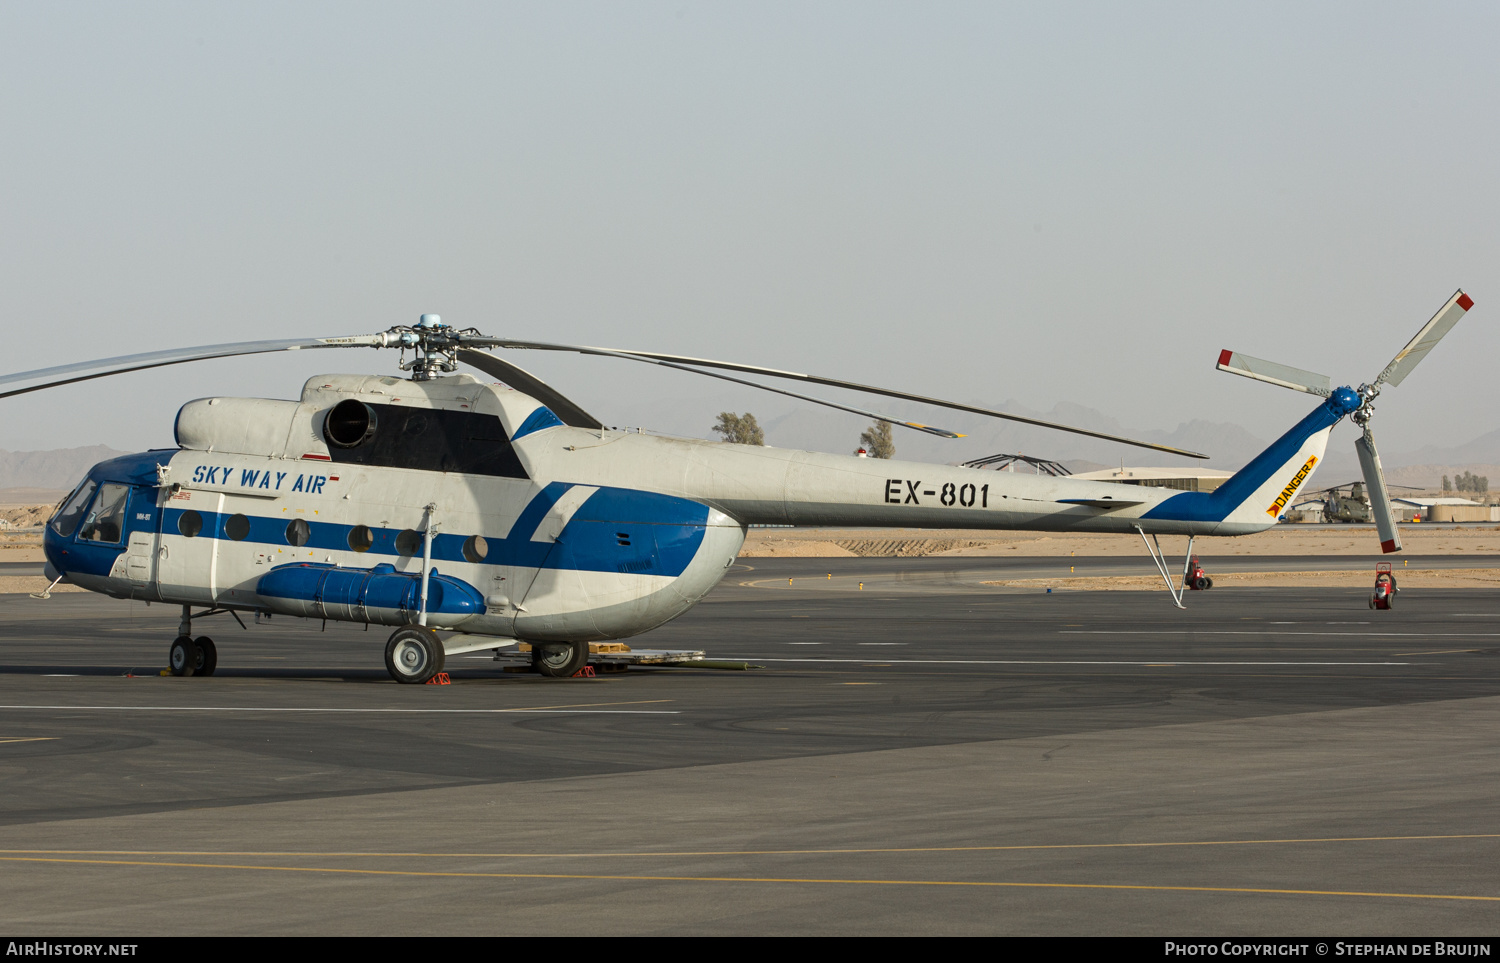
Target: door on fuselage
(142,538)
(187,555)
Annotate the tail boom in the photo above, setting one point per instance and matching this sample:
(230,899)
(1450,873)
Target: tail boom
(1255,496)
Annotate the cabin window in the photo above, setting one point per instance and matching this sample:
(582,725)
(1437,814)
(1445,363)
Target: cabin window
(298,532)
(408,543)
(476,549)
(361,538)
(65,522)
(237,527)
(190,523)
(106,521)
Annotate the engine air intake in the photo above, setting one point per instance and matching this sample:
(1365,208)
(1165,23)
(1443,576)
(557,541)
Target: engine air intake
(350,424)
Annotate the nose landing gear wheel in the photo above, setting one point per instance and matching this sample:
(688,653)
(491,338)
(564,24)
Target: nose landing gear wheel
(182,658)
(559,659)
(208,656)
(414,654)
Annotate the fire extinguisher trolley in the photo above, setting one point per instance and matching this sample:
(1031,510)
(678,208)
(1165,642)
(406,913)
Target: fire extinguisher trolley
(1385,586)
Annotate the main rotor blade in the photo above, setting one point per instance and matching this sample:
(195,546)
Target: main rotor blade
(646,359)
(1432,332)
(525,381)
(1380,498)
(1275,374)
(104,367)
(695,365)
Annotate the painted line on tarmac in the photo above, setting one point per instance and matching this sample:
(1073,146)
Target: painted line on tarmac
(981,884)
(1167,844)
(1437,652)
(1356,635)
(584,708)
(1150,662)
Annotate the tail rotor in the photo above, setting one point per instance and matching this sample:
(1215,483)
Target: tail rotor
(1364,397)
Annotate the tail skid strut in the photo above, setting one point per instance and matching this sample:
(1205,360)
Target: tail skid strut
(1153,546)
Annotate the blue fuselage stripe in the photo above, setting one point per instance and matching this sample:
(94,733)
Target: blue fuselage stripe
(615,530)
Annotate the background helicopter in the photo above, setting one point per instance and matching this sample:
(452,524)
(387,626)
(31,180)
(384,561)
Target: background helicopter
(510,514)
(1349,507)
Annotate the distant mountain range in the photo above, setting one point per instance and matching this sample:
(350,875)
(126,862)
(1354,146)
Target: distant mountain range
(59,468)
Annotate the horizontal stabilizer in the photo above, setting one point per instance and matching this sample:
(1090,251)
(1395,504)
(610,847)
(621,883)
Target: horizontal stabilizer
(1277,374)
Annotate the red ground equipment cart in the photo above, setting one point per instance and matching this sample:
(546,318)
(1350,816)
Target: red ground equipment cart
(1197,579)
(1385,586)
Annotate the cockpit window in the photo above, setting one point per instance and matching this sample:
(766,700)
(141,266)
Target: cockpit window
(66,520)
(106,520)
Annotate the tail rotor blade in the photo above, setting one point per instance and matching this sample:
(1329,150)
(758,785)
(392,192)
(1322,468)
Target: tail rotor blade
(1380,497)
(1275,374)
(1426,339)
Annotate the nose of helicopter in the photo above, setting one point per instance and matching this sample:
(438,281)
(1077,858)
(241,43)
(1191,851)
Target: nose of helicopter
(55,554)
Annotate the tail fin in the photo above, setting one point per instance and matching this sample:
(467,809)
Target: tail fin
(1256,495)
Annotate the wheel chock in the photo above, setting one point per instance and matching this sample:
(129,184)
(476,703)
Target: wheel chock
(440,679)
(587,672)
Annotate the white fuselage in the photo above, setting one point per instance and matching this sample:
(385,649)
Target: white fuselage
(576,534)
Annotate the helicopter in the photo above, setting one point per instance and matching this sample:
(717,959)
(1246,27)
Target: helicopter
(1353,507)
(504,513)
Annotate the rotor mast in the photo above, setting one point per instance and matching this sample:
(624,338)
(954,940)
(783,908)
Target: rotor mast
(434,348)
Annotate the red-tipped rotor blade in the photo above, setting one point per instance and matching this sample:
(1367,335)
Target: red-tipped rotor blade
(1426,339)
(1380,497)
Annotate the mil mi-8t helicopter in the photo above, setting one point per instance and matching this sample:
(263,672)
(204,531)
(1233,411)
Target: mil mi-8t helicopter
(505,513)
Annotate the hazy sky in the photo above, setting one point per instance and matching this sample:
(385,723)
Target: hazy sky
(1043,202)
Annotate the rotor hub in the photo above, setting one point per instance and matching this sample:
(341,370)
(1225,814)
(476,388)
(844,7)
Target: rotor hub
(434,346)
(1366,395)
(1345,401)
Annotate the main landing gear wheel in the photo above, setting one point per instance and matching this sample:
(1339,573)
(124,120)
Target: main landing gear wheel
(183,656)
(559,659)
(414,654)
(208,656)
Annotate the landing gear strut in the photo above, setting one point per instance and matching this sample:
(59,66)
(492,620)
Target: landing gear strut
(189,656)
(1193,576)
